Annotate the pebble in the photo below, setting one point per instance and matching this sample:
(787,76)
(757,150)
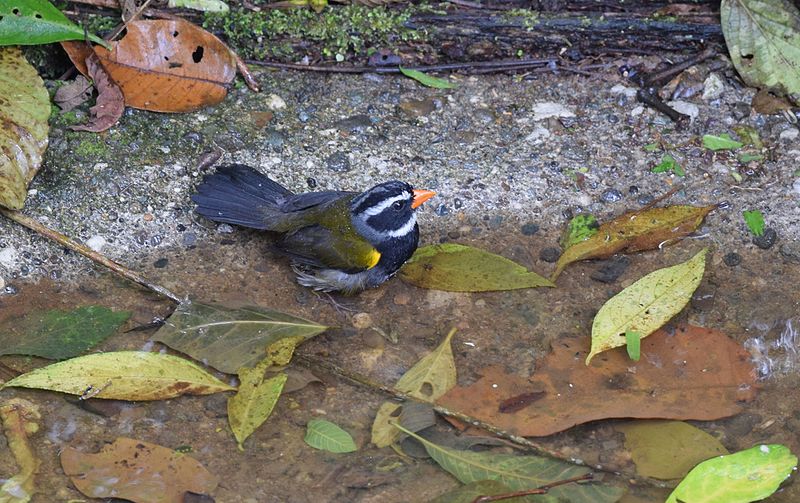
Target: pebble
(630,92)
(161,263)
(542,111)
(338,162)
(529,229)
(550,254)
(2,283)
(766,240)
(361,320)
(402,299)
(189,239)
(732,259)
(538,134)
(495,221)
(611,196)
(685,108)
(8,257)
(355,124)
(790,134)
(611,270)
(740,110)
(274,138)
(442,210)
(275,102)
(96,242)
(791,251)
(417,108)
(713,87)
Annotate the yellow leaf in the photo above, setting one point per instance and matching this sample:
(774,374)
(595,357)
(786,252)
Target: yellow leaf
(646,305)
(123,375)
(253,404)
(428,380)
(20,420)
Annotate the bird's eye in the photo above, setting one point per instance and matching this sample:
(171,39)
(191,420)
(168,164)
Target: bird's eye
(398,205)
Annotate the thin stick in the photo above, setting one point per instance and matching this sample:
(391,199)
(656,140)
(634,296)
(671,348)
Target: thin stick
(529,492)
(87,252)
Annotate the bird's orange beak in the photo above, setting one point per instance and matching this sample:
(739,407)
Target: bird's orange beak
(420,196)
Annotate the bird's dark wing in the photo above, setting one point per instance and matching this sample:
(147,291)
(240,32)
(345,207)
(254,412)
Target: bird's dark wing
(318,247)
(299,202)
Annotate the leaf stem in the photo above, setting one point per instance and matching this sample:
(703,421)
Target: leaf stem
(537,490)
(87,252)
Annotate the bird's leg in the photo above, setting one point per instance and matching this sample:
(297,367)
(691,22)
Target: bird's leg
(340,308)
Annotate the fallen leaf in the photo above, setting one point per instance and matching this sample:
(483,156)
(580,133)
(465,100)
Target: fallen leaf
(34,22)
(327,436)
(74,93)
(59,334)
(110,103)
(459,268)
(20,420)
(766,103)
(168,66)
(24,111)
(429,379)
(646,305)
(755,221)
(634,232)
(763,39)
(668,449)
(520,472)
(721,142)
(749,475)
(229,339)
(137,471)
(696,373)
(253,403)
(580,228)
(123,375)
(298,378)
(427,80)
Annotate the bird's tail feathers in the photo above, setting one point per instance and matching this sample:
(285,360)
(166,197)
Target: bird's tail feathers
(239,195)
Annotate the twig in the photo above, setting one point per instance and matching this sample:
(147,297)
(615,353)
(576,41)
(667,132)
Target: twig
(318,363)
(660,78)
(124,25)
(87,252)
(529,492)
(649,96)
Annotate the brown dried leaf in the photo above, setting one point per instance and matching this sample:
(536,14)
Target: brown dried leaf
(634,232)
(137,471)
(766,103)
(697,373)
(74,93)
(110,103)
(20,420)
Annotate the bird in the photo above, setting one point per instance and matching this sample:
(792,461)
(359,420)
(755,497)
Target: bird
(337,241)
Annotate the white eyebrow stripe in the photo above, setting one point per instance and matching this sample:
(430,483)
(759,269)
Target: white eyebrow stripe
(378,208)
(405,229)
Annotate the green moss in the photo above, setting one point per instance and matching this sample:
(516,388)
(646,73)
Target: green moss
(343,30)
(92,147)
(529,18)
(99,25)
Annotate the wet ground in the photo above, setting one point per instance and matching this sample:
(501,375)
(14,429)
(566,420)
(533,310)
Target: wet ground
(501,173)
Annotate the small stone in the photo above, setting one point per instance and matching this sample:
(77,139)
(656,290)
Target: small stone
(355,124)
(189,239)
(361,320)
(550,254)
(442,210)
(274,138)
(401,299)
(685,108)
(96,242)
(275,102)
(161,263)
(529,229)
(495,221)
(791,251)
(732,259)
(741,110)
(224,229)
(611,270)
(338,162)
(148,217)
(417,108)
(713,87)
(766,240)
(2,283)
(538,134)
(789,135)
(611,196)
(630,92)
(542,111)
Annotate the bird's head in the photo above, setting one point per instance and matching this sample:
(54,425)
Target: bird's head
(388,210)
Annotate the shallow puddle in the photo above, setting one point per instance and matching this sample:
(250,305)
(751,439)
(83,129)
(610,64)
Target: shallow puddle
(756,303)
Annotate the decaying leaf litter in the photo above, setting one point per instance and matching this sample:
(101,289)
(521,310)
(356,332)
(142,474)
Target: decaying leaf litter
(655,263)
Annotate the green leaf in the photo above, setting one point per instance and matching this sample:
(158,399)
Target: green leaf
(646,305)
(755,221)
(201,5)
(745,157)
(580,228)
(429,379)
(60,334)
(427,80)
(651,147)
(633,341)
(31,22)
(229,339)
(749,475)
(667,450)
(123,375)
(668,165)
(749,136)
(24,111)
(254,402)
(763,39)
(519,472)
(459,268)
(721,142)
(326,436)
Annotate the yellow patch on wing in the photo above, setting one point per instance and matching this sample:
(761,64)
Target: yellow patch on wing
(373,258)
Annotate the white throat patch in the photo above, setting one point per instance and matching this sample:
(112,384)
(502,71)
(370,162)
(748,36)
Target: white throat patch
(405,229)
